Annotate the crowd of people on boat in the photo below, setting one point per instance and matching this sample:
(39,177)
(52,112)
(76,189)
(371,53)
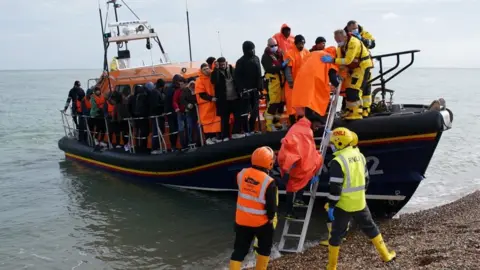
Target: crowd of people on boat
(291,79)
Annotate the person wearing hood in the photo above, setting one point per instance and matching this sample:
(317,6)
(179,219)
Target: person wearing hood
(140,109)
(284,38)
(228,98)
(272,62)
(122,112)
(75,93)
(319,44)
(207,112)
(314,83)
(369,41)
(248,75)
(177,83)
(295,59)
(299,160)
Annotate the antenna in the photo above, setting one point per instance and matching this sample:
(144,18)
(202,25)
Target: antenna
(220,43)
(188,27)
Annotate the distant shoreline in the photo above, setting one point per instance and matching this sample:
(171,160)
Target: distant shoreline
(443,237)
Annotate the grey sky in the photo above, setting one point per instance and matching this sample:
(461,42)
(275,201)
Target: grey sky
(57,34)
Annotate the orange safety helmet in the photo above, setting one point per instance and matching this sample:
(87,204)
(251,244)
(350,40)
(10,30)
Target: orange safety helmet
(263,157)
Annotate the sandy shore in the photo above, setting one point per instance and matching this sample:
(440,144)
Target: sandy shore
(444,237)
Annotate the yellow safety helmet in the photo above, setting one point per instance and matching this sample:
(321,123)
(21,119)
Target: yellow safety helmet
(263,157)
(341,137)
(355,138)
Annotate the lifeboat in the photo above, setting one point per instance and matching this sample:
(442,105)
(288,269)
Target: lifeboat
(398,140)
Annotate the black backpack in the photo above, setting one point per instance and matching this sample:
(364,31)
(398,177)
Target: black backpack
(141,104)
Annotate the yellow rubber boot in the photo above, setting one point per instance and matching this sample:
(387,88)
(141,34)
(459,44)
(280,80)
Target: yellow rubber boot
(333,252)
(269,122)
(262,262)
(235,265)
(382,249)
(329,227)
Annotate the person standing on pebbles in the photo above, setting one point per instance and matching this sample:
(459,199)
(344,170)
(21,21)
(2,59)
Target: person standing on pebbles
(348,183)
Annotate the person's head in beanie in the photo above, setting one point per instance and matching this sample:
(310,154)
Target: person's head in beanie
(320,43)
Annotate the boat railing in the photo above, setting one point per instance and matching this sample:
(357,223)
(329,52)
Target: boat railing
(383,73)
(73,130)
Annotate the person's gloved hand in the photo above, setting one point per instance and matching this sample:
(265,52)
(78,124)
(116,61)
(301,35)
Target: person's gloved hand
(330,213)
(327,59)
(285,63)
(315,179)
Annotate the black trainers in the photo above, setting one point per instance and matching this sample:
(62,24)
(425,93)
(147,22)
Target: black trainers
(299,203)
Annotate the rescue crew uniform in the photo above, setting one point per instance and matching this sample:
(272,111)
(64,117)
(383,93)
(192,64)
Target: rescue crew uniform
(369,41)
(356,57)
(275,77)
(348,183)
(256,210)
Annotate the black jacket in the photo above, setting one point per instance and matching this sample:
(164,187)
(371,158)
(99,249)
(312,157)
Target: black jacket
(219,81)
(248,73)
(157,101)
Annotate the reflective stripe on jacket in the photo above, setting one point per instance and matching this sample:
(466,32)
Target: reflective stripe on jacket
(252,186)
(353,191)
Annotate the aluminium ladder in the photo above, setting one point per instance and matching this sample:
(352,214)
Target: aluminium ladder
(313,188)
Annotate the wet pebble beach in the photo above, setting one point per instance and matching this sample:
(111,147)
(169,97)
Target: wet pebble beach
(444,237)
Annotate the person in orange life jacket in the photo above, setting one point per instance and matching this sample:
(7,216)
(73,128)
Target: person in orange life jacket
(179,109)
(273,64)
(319,44)
(86,108)
(256,209)
(189,100)
(113,126)
(284,38)
(139,106)
(228,99)
(299,159)
(82,123)
(120,113)
(248,75)
(97,113)
(157,108)
(74,93)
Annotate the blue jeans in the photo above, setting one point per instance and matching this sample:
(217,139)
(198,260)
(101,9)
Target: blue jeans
(181,118)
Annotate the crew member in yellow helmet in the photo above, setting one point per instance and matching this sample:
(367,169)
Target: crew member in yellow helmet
(256,210)
(346,199)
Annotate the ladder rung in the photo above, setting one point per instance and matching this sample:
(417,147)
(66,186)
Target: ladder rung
(296,220)
(289,250)
(300,206)
(293,235)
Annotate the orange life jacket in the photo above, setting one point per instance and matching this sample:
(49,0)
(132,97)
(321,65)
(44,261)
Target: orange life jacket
(78,104)
(88,104)
(99,100)
(252,187)
(110,108)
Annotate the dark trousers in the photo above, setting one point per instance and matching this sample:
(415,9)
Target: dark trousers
(340,225)
(142,127)
(113,128)
(254,109)
(229,107)
(99,128)
(124,130)
(244,236)
(293,196)
(173,129)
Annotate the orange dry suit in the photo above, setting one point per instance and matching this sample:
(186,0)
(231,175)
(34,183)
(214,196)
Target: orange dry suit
(207,112)
(312,84)
(299,148)
(284,44)
(295,60)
